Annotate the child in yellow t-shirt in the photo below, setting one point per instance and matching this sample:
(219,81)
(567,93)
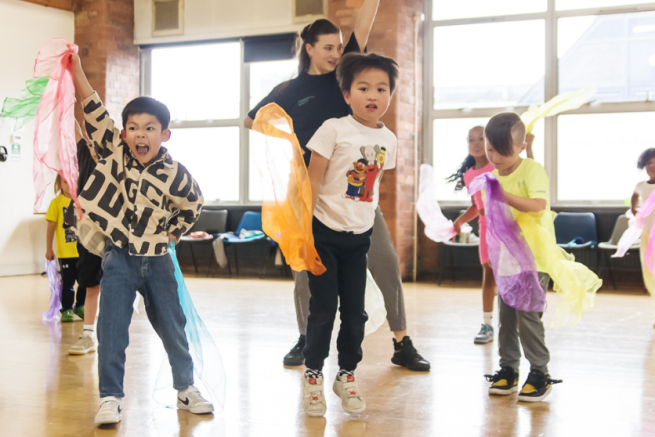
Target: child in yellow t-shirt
(66,252)
(525,184)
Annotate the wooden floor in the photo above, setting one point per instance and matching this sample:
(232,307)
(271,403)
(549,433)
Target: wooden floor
(607,363)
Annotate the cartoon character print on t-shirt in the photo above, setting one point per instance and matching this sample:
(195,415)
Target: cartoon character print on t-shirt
(362,178)
(69,234)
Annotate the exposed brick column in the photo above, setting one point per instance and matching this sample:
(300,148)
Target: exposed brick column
(104,31)
(393,35)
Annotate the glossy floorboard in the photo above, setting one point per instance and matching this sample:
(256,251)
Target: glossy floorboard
(607,363)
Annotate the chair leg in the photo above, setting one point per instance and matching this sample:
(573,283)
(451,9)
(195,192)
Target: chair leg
(211,256)
(267,255)
(441,262)
(229,269)
(236,259)
(452,264)
(193,255)
(609,267)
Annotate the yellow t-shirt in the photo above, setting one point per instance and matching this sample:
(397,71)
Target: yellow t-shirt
(531,181)
(66,239)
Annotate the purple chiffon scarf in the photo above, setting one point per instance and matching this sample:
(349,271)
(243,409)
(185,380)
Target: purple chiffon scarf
(510,256)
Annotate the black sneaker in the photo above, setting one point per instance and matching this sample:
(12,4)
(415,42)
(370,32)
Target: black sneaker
(406,355)
(504,382)
(537,386)
(295,356)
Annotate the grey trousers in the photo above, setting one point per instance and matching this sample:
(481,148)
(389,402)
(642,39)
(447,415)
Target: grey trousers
(529,328)
(383,264)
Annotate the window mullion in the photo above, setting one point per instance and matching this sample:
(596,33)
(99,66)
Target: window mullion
(495,19)
(625,9)
(244,157)
(551,89)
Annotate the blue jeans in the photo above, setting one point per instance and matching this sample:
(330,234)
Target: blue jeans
(154,277)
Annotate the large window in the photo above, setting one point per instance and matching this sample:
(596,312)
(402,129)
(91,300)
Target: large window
(209,89)
(488,57)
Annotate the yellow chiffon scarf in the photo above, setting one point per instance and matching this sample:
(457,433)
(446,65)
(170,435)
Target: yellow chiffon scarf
(573,282)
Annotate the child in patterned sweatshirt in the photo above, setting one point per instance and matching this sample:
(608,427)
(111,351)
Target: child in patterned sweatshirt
(135,200)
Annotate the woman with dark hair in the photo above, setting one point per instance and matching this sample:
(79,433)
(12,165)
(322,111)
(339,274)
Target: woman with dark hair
(311,98)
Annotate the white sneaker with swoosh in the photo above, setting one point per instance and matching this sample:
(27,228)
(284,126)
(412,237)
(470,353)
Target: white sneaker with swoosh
(191,400)
(110,411)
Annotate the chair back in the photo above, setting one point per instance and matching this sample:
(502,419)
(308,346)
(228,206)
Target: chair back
(251,221)
(571,225)
(212,222)
(620,227)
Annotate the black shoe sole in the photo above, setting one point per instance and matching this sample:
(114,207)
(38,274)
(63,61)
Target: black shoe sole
(418,368)
(293,362)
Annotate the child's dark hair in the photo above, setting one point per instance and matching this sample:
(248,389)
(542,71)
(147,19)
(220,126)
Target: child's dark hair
(309,35)
(646,156)
(353,63)
(147,105)
(503,131)
(458,176)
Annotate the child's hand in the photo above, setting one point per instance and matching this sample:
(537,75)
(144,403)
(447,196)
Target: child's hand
(458,225)
(173,238)
(50,255)
(75,59)
(529,138)
(634,211)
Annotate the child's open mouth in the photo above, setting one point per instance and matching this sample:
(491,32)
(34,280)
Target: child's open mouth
(142,149)
(371,107)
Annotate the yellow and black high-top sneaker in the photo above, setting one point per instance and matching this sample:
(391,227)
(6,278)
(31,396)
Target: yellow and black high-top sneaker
(504,382)
(537,386)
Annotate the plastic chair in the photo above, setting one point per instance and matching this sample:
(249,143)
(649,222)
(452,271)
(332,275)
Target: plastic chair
(572,226)
(212,222)
(251,221)
(610,246)
(449,249)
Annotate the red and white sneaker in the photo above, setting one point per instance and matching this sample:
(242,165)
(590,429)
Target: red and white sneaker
(346,388)
(313,399)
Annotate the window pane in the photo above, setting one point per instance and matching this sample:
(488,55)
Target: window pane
(583,4)
(198,82)
(211,154)
(489,65)
(615,53)
(451,147)
(597,154)
(447,10)
(264,76)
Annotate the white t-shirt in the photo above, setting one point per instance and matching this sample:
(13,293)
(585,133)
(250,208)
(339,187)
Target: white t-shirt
(644,189)
(357,156)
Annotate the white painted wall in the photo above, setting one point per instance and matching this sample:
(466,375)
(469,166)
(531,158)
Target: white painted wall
(215,19)
(24,28)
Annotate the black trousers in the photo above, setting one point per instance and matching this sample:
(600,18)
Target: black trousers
(344,256)
(68,277)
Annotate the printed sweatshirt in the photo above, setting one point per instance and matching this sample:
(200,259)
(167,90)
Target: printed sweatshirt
(132,205)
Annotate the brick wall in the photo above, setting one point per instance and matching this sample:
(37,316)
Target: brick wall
(393,35)
(104,31)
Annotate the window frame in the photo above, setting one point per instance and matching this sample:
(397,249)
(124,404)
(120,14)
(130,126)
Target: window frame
(551,85)
(244,108)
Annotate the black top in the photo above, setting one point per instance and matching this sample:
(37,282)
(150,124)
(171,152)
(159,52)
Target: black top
(86,165)
(310,99)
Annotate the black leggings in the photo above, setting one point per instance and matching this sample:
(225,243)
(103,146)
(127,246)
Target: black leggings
(68,277)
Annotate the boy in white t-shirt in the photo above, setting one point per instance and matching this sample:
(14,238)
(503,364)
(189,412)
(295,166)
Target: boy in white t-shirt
(349,156)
